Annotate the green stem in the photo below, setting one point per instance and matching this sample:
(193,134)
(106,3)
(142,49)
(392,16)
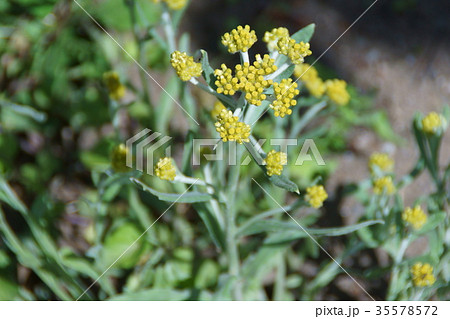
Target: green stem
(232,244)
(316,108)
(140,58)
(168,29)
(393,284)
(214,203)
(211,91)
(280,281)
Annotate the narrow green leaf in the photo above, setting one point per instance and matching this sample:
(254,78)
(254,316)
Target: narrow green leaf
(188,197)
(284,182)
(208,71)
(433,221)
(165,105)
(278,180)
(290,235)
(8,196)
(262,226)
(25,110)
(186,166)
(305,34)
(212,225)
(258,265)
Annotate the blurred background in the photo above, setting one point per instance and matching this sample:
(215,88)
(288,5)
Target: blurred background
(54,117)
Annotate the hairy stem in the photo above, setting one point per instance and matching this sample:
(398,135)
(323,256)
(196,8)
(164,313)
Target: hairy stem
(168,29)
(280,280)
(140,58)
(232,244)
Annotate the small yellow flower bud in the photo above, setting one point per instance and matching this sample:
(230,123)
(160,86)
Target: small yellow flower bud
(225,82)
(316,195)
(422,275)
(230,129)
(384,184)
(217,109)
(184,65)
(119,158)
(415,217)
(165,169)
(309,75)
(295,51)
(272,37)
(239,39)
(115,88)
(382,161)
(274,162)
(433,123)
(337,91)
(285,92)
(173,4)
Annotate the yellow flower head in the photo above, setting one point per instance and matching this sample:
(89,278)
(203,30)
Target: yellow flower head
(272,37)
(112,82)
(432,123)
(225,82)
(316,87)
(295,51)
(230,129)
(305,72)
(285,91)
(165,169)
(119,158)
(337,91)
(383,184)
(316,195)
(239,39)
(217,109)
(382,161)
(173,4)
(415,217)
(263,66)
(274,162)
(422,275)
(184,65)
(248,79)
(309,75)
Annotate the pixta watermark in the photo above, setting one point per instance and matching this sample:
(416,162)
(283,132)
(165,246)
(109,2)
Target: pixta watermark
(143,146)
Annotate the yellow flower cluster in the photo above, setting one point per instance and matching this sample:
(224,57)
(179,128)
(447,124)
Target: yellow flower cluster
(309,75)
(230,129)
(382,161)
(272,37)
(115,88)
(184,65)
(337,91)
(422,275)
(173,4)
(432,123)
(274,162)
(296,52)
(217,109)
(164,169)
(415,217)
(225,82)
(383,184)
(248,79)
(239,39)
(285,91)
(119,158)
(316,195)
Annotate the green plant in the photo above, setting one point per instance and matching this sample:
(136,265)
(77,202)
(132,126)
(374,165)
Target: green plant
(214,231)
